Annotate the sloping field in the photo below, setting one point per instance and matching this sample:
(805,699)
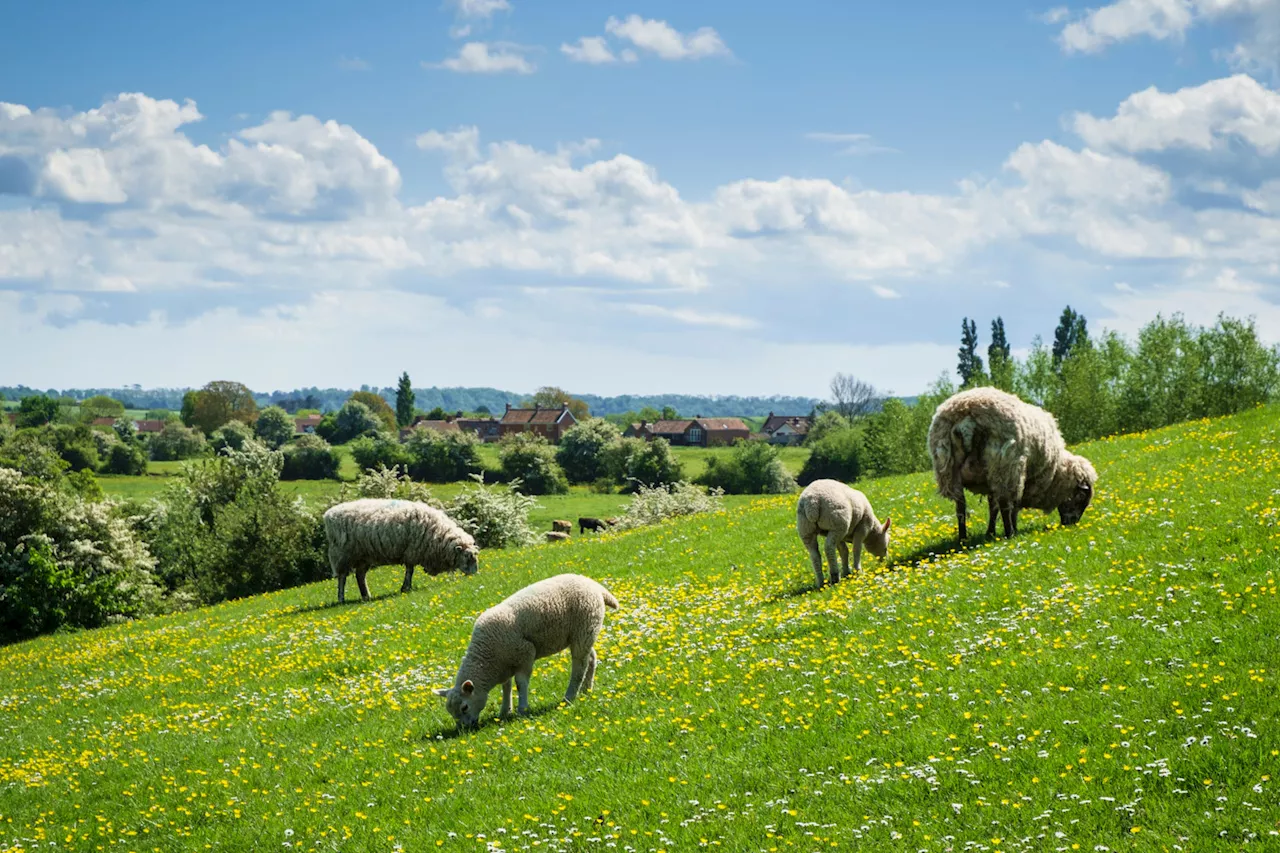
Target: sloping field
(1110,686)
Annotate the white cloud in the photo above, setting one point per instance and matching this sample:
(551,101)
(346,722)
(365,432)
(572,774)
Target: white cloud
(691,317)
(885,292)
(590,49)
(482,9)
(853,144)
(663,40)
(477,57)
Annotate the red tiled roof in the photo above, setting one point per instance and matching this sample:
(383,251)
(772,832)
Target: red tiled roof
(150,426)
(103,421)
(533,416)
(720,424)
(799,423)
(670,427)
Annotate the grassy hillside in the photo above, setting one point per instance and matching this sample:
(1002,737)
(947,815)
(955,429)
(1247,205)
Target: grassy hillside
(1105,687)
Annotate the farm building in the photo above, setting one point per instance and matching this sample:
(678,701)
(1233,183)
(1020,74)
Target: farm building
(488,429)
(695,432)
(306,425)
(786,429)
(149,427)
(549,423)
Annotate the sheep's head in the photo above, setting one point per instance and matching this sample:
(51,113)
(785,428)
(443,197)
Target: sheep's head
(464,703)
(877,540)
(469,560)
(1080,476)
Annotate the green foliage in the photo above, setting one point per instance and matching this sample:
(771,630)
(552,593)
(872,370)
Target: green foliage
(970,365)
(752,468)
(652,504)
(442,457)
(36,411)
(218,403)
(160,415)
(101,406)
(496,516)
(1072,331)
(372,451)
(379,408)
(828,422)
(274,427)
(353,420)
(127,458)
(1238,371)
(634,462)
(6,430)
(27,453)
(551,397)
(1000,357)
(384,482)
(583,449)
(176,441)
(528,457)
(66,562)
(125,430)
(231,434)
(188,412)
(838,455)
(310,457)
(75,443)
(404,401)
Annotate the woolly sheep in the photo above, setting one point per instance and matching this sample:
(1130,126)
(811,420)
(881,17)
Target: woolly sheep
(561,612)
(844,515)
(556,536)
(992,443)
(562,526)
(382,531)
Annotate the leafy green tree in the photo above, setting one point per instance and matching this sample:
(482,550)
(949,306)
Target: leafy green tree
(101,406)
(529,458)
(891,442)
(36,410)
(220,402)
(1000,357)
(437,414)
(404,401)
(1036,380)
(126,458)
(634,462)
(1084,403)
(74,443)
(274,427)
(1072,331)
(551,397)
(970,365)
(310,457)
(380,408)
(750,468)
(1164,382)
(373,450)
(649,414)
(176,441)
(1238,371)
(442,457)
(582,451)
(669,413)
(188,412)
(827,422)
(232,434)
(353,420)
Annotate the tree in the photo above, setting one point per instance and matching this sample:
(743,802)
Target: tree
(221,401)
(310,458)
(274,427)
(176,441)
(529,458)
(1072,330)
(852,397)
(353,420)
(442,457)
(404,401)
(582,451)
(1035,380)
(1000,357)
(669,413)
(36,410)
(232,434)
(970,365)
(1239,372)
(751,468)
(551,397)
(634,462)
(188,412)
(380,408)
(101,406)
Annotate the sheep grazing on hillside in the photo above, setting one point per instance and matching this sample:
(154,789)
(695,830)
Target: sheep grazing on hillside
(562,526)
(844,516)
(596,524)
(994,444)
(381,531)
(561,612)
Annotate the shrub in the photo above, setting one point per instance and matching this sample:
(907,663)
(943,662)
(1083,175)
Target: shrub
(634,462)
(274,427)
(531,460)
(36,411)
(353,420)
(583,449)
(126,458)
(66,562)
(176,441)
(442,457)
(825,424)
(232,434)
(310,458)
(839,455)
(751,468)
(373,451)
(497,516)
(384,482)
(25,452)
(6,429)
(75,443)
(652,504)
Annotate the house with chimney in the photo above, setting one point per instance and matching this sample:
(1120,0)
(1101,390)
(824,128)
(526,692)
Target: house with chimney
(786,429)
(550,423)
(306,425)
(692,432)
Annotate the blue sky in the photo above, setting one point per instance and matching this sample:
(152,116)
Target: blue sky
(645,197)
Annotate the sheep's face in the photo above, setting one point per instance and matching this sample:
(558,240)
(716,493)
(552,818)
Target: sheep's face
(469,562)
(464,703)
(877,540)
(1072,511)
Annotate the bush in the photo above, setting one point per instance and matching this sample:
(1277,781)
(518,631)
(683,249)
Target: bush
(497,516)
(838,455)
(176,441)
(66,562)
(583,449)
(373,451)
(531,460)
(75,443)
(128,459)
(36,411)
(310,458)
(274,427)
(25,452)
(6,429)
(751,468)
(825,424)
(232,434)
(384,482)
(227,530)
(653,504)
(353,420)
(634,462)
(442,457)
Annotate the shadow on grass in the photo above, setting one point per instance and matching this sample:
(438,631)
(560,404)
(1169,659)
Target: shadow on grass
(537,710)
(340,605)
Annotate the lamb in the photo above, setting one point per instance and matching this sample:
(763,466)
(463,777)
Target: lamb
(992,443)
(380,531)
(844,515)
(562,526)
(561,612)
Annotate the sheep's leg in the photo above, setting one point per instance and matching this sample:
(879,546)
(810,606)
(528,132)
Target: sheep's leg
(833,567)
(408,578)
(857,557)
(342,586)
(506,698)
(523,671)
(993,509)
(844,559)
(815,558)
(589,680)
(583,654)
(360,582)
(960,516)
(1010,522)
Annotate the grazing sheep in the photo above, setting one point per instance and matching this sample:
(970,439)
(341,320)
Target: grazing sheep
(378,531)
(556,536)
(994,444)
(844,515)
(562,526)
(561,612)
(596,524)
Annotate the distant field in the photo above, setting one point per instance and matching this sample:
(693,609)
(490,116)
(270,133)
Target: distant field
(694,459)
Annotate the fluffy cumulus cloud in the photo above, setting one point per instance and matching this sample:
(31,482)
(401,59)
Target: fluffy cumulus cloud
(647,36)
(477,57)
(1258,21)
(114,223)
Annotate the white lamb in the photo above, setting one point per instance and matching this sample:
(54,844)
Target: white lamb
(561,612)
(383,531)
(844,515)
(992,443)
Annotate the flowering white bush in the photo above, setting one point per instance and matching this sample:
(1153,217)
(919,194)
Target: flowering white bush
(652,504)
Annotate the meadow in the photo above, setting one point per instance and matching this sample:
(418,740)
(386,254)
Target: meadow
(1109,686)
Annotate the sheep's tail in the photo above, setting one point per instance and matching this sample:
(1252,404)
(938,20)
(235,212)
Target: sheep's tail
(811,510)
(949,448)
(609,601)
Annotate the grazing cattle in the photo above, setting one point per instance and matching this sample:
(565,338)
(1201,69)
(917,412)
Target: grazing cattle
(596,524)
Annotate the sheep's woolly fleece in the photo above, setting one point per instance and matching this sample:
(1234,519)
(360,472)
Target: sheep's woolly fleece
(382,531)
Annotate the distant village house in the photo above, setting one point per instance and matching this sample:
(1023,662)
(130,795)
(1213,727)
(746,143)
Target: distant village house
(786,429)
(550,423)
(692,432)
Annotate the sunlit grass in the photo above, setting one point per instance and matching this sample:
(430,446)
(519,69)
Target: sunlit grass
(1109,686)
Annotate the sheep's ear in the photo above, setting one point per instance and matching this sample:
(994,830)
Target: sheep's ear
(886,524)
(442,692)
(468,688)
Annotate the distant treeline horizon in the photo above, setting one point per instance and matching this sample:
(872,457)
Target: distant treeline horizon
(452,399)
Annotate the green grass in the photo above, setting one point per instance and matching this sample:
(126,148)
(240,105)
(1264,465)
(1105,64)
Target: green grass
(694,459)
(1110,685)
